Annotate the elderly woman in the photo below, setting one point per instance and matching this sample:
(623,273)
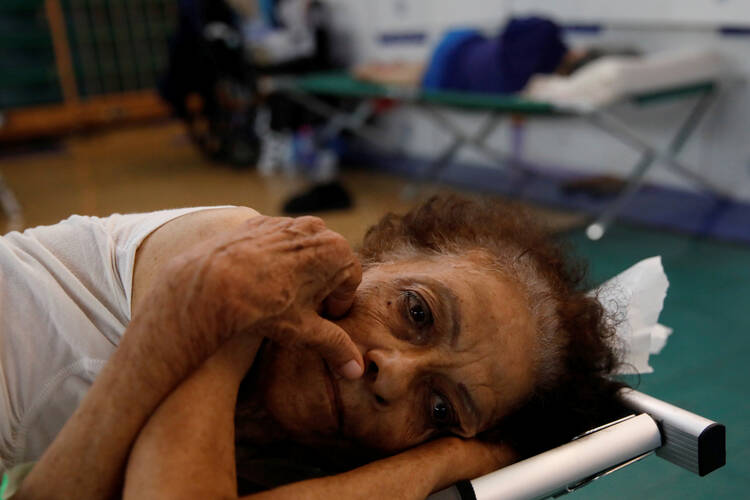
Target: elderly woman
(454,341)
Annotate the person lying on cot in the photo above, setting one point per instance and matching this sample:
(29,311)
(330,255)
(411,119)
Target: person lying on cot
(457,339)
(467,60)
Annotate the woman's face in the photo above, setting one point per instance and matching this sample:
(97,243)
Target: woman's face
(448,349)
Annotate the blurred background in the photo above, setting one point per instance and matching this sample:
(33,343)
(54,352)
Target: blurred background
(623,125)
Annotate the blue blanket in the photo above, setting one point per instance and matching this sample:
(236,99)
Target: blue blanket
(469,61)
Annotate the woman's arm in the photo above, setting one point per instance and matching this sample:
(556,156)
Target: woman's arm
(274,271)
(87,458)
(410,475)
(174,237)
(187,449)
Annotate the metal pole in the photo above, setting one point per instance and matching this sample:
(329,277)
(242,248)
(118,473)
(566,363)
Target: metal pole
(61,47)
(614,127)
(618,130)
(479,139)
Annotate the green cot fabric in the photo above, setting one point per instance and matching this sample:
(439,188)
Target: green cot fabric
(13,478)
(342,85)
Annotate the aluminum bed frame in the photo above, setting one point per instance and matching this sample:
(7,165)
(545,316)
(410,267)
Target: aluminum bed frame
(308,90)
(674,434)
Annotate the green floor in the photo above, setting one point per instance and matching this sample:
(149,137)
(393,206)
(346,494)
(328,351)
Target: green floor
(704,368)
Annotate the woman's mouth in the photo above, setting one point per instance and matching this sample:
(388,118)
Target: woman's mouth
(334,396)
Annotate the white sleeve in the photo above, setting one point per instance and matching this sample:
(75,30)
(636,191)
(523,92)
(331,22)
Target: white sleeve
(96,257)
(126,233)
(65,293)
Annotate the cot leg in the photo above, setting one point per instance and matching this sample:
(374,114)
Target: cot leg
(650,154)
(479,140)
(339,120)
(460,139)
(411,190)
(596,229)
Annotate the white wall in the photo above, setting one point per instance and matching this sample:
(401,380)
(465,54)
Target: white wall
(720,147)
(687,12)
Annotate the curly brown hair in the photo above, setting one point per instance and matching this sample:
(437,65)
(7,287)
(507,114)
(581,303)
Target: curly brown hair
(574,359)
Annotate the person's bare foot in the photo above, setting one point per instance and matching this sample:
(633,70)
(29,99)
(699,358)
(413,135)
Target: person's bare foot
(400,73)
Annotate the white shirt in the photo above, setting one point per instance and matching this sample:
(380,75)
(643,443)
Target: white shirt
(65,299)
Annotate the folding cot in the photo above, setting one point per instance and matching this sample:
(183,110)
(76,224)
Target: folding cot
(674,434)
(308,90)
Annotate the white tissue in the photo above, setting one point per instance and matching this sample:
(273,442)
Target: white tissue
(634,298)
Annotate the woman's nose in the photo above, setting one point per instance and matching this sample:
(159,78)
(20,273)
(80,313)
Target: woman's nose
(389,373)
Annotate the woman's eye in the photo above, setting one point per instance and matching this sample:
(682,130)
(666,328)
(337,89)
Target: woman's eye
(417,309)
(441,412)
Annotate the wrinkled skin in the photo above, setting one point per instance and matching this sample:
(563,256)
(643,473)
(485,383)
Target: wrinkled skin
(472,330)
(291,270)
(411,369)
(272,278)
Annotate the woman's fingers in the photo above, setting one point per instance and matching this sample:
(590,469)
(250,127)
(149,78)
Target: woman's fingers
(276,277)
(340,299)
(327,268)
(334,344)
(325,274)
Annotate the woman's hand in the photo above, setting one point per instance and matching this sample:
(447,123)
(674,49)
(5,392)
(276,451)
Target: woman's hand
(271,276)
(459,458)
(412,474)
(264,272)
